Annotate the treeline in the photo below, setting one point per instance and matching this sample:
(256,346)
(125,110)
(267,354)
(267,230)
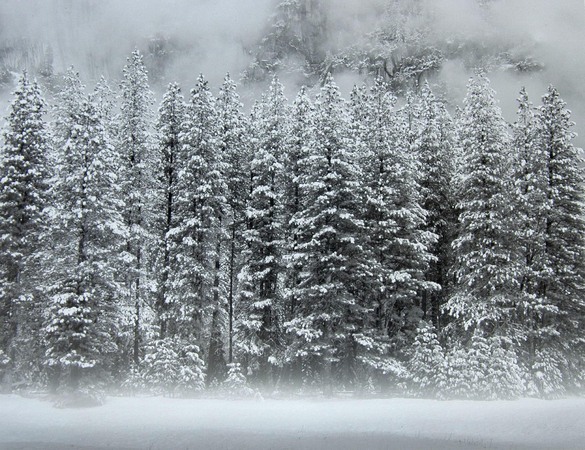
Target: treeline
(318,245)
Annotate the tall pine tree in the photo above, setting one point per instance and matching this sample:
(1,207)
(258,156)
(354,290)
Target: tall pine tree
(23,196)
(435,148)
(398,244)
(172,114)
(200,208)
(562,282)
(259,324)
(135,147)
(330,231)
(485,249)
(235,150)
(300,133)
(86,234)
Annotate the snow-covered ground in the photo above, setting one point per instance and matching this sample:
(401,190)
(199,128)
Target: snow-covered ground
(163,423)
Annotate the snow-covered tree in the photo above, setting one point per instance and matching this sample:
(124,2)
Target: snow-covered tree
(399,246)
(171,117)
(435,149)
(23,197)
(135,147)
(236,385)
(234,147)
(531,183)
(485,368)
(172,367)
(504,376)
(300,132)
(258,326)
(330,230)
(427,361)
(563,279)
(198,204)
(86,235)
(486,252)
(200,196)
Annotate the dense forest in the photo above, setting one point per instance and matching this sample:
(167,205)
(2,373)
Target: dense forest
(374,245)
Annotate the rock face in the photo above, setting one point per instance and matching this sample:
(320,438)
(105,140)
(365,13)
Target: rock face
(294,42)
(396,39)
(306,39)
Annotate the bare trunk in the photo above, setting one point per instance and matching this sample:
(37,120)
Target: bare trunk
(137,312)
(231,294)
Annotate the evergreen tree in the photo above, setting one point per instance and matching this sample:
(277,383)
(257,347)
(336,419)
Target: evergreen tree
(485,368)
(200,208)
(86,236)
(427,361)
(234,149)
(399,246)
(486,253)
(259,325)
(169,126)
(172,367)
(330,229)
(23,196)
(300,132)
(236,385)
(135,147)
(531,209)
(435,147)
(562,281)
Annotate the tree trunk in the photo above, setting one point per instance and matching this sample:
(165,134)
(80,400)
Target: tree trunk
(215,359)
(137,312)
(231,294)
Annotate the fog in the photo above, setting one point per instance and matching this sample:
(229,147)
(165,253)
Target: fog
(218,36)
(96,36)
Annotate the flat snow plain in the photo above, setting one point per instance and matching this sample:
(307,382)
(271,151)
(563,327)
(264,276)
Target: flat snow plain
(165,423)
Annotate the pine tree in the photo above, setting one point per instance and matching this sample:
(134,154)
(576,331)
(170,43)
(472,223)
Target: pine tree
(259,324)
(486,254)
(504,377)
(23,196)
(235,153)
(236,385)
(86,235)
(531,208)
(200,208)
(169,126)
(191,276)
(562,282)
(330,233)
(399,245)
(435,148)
(300,132)
(172,367)
(485,368)
(427,361)
(135,147)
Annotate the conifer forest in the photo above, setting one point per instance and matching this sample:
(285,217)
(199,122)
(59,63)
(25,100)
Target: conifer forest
(382,243)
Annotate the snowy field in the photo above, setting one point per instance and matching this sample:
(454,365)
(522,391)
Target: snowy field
(162,423)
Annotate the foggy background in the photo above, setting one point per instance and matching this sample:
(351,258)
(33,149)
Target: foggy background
(219,36)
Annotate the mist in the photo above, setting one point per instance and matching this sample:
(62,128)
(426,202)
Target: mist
(215,37)
(97,36)
(551,33)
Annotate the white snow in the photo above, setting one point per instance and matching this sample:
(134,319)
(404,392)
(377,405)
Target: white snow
(163,423)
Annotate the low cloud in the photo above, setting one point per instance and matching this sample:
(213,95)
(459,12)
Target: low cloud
(210,36)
